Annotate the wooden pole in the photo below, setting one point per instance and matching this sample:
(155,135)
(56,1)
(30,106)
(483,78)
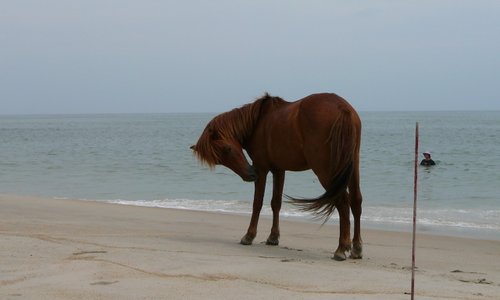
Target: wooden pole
(415,177)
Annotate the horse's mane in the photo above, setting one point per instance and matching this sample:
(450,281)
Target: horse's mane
(236,124)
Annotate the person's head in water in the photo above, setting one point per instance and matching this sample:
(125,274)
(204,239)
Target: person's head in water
(427,155)
(427,161)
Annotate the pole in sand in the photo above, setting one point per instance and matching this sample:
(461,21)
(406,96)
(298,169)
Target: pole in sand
(415,177)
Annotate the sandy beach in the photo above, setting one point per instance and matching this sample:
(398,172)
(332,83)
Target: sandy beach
(67,249)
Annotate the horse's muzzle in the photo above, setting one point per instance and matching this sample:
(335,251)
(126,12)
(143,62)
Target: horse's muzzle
(251,175)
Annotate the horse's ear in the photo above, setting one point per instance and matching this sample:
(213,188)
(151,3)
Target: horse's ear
(193,147)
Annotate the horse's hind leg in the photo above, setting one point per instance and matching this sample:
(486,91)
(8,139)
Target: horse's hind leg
(260,185)
(356,200)
(345,230)
(278,181)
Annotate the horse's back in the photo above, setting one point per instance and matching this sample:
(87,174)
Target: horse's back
(294,123)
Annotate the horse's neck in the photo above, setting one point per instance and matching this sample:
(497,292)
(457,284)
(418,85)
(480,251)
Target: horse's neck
(246,118)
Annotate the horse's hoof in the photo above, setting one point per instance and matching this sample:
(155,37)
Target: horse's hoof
(357,252)
(339,256)
(273,241)
(246,240)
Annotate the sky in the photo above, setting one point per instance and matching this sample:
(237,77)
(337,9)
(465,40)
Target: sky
(152,56)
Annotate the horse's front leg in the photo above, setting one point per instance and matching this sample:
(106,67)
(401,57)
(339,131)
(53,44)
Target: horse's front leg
(260,186)
(278,181)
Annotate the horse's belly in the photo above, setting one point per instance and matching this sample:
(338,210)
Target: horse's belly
(290,161)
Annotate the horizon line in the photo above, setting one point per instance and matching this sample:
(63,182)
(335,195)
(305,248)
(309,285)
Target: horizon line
(213,112)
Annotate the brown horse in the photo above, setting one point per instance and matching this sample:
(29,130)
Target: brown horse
(319,132)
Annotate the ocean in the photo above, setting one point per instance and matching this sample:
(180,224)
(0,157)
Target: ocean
(144,159)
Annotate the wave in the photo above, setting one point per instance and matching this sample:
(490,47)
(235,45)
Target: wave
(475,219)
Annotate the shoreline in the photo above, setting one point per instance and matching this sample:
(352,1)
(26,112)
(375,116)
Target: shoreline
(422,228)
(60,249)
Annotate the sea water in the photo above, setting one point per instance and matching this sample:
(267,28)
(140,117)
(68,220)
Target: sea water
(144,159)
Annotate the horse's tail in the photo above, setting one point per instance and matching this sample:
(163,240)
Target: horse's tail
(344,148)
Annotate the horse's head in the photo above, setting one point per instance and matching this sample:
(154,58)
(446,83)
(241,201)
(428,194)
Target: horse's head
(214,148)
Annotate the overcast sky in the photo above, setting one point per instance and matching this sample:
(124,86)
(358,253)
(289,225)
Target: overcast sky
(122,56)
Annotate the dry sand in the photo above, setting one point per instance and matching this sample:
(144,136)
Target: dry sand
(64,249)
